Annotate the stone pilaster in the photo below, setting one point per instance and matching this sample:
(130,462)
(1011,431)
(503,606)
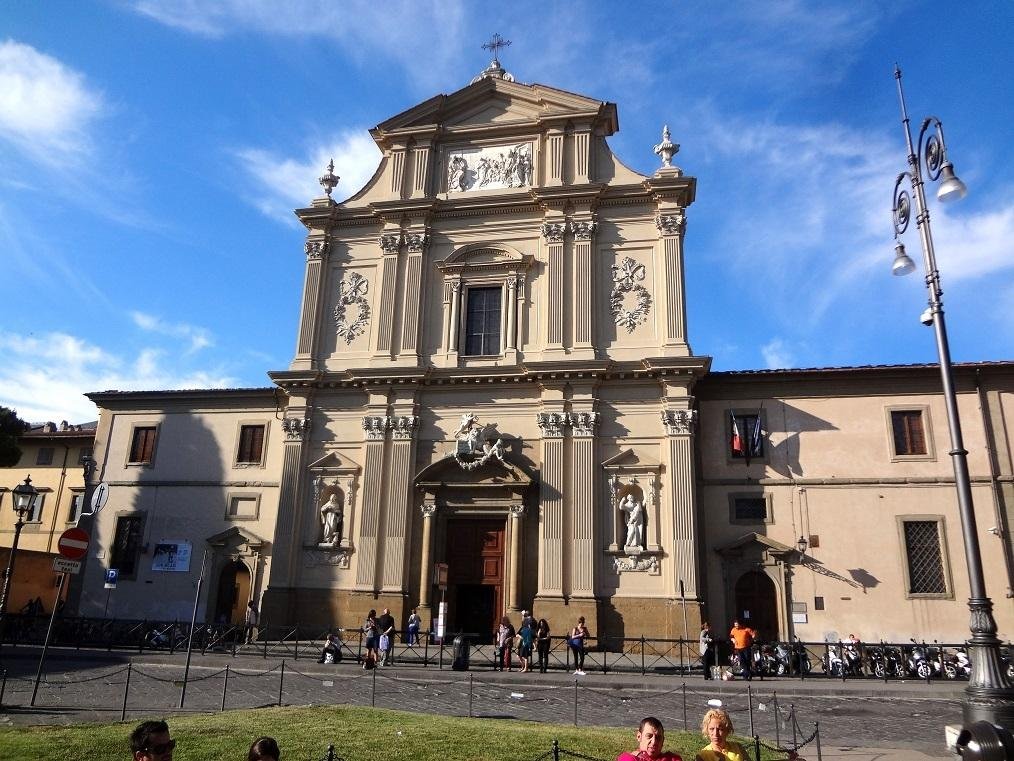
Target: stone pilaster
(288,538)
(399,483)
(680,491)
(415,242)
(317,249)
(551,491)
(375,429)
(429,511)
(583,288)
(554,157)
(582,156)
(390,244)
(422,154)
(517,513)
(553,232)
(583,557)
(671,224)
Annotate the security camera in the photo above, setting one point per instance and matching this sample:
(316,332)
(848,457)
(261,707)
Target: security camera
(926,318)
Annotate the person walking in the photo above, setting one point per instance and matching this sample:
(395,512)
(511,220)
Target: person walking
(387,631)
(543,642)
(250,622)
(742,642)
(414,624)
(707,649)
(578,635)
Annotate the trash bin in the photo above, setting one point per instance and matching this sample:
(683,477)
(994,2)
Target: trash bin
(461,649)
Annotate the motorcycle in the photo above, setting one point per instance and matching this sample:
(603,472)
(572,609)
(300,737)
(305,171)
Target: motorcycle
(885,661)
(921,662)
(958,665)
(852,659)
(832,662)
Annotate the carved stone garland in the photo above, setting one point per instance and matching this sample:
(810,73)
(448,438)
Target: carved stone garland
(352,291)
(626,275)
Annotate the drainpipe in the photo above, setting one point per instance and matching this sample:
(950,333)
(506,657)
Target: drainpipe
(1002,529)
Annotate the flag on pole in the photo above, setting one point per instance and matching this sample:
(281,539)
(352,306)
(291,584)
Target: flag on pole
(736,441)
(755,439)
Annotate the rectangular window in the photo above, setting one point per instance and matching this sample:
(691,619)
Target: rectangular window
(45,456)
(242,507)
(34,514)
(126,544)
(142,445)
(909,436)
(482,321)
(746,439)
(752,509)
(251,445)
(818,603)
(76,503)
(924,558)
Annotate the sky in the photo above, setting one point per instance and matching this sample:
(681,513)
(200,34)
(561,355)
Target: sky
(152,151)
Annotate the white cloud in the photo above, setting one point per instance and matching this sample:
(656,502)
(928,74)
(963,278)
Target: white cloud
(284,182)
(199,338)
(971,245)
(45,377)
(777,355)
(423,38)
(46,108)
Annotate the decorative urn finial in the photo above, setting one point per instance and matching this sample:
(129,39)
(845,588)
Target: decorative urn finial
(330,180)
(667,148)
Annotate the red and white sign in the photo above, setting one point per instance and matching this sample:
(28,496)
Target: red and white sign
(73,543)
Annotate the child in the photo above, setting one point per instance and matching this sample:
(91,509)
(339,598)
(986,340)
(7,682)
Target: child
(650,738)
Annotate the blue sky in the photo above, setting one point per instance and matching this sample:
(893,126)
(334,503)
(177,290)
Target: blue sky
(151,153)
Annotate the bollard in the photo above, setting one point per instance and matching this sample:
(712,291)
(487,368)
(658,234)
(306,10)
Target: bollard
(373,687)
(756,748)
(556,750)
(684,685)
(749,702)
(816,733)
(642,655)
(126,687)
(575,702)
(470,694)
(792,715)
(281,682)
(778,739)
(330,753)
(3,687)
(225,687)
(426,651)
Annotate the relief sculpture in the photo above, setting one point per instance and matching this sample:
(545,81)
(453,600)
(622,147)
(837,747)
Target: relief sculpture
(490,168)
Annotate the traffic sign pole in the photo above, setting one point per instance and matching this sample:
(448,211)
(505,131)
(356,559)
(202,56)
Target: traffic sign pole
(49,633)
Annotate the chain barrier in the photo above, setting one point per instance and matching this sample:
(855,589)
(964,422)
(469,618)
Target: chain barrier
(45,679)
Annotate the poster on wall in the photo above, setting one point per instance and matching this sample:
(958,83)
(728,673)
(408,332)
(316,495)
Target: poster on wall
(171,555)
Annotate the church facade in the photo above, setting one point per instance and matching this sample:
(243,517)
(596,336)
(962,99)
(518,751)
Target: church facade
(494,405)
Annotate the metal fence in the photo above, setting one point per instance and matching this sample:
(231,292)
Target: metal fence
(643,655)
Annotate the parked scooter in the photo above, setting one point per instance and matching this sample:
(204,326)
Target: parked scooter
(958,666)
(851,659)
(832,662)
(921,661)
(885,661)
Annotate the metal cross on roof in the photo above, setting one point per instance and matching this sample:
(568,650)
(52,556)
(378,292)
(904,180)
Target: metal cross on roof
(495,43)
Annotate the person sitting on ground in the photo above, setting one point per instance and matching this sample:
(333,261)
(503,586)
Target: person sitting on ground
(716,728)
(264,749)
(150,741)
(650,738)
(332,648)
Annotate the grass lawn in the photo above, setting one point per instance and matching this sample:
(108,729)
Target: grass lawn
(358,733)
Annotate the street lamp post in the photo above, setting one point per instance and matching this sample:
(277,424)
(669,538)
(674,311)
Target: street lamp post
(989,695)
(24,495)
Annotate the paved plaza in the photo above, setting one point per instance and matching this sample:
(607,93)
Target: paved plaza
(859,719)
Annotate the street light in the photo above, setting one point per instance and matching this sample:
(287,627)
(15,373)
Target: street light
(24,495)
(989,695)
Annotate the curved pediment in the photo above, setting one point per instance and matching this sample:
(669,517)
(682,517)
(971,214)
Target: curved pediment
(493,474)
(487,255)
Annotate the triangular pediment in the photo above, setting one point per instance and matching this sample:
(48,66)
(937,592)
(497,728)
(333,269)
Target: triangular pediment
(630,460)
(235,538)
(496,102)
(757,543)
(333,462)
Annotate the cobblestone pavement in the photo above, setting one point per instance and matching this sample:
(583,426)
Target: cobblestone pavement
(91,687)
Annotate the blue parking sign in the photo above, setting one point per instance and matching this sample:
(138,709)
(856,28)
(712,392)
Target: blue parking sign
(112,574)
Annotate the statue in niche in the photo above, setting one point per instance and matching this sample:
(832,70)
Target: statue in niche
(331,520)
(635,522)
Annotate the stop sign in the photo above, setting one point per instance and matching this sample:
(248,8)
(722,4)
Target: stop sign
(73,543)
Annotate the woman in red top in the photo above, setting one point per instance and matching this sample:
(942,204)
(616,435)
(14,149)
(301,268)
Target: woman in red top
(650,738)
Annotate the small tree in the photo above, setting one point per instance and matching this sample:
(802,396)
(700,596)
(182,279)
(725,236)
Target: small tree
(11,427)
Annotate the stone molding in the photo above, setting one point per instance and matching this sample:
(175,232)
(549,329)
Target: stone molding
(402,426)
(316,249)
(584,230)
(679,422)
(390,243)
(416,242)
(352,290)
(375,427)
(296,428)
(670,224)
(553,232)
(583,423)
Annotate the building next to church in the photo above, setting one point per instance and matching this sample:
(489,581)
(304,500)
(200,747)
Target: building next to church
(493,371)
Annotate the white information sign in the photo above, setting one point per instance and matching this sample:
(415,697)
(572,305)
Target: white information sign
(441,620)
(171,555)
(64,565)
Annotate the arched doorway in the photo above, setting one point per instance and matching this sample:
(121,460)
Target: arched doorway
(757,603)
(233,593)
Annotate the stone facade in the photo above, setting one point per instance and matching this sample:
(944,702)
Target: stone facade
(492,371)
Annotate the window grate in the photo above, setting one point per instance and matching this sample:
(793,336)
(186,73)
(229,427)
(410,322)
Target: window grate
(925,563)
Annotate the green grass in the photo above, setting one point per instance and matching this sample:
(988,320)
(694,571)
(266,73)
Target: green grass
(359,734)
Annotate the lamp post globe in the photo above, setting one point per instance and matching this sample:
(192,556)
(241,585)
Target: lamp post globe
(24,495)
(990,693)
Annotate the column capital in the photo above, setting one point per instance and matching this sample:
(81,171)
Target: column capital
(551,424)
(428,509)
(679,422)
(416,242)
(518,511)
(296,429)
(672,223)
(316,249)
(553,232)
(584,230)
(403,426)
(390,242)
(375,427)
(583,423)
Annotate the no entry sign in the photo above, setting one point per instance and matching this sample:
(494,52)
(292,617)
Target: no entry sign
(73,543)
